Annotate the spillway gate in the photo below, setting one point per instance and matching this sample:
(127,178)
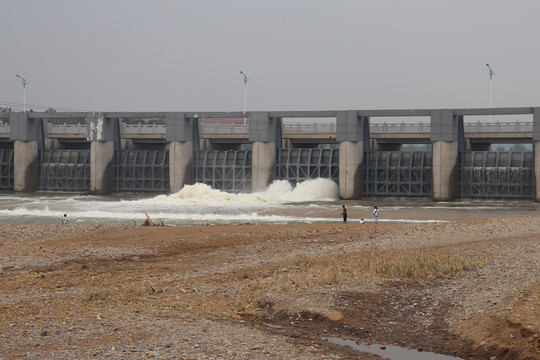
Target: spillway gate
(297,165)
(142,171)
(6,169)
(64,170)
(225,170)
(398,174)
(496,175)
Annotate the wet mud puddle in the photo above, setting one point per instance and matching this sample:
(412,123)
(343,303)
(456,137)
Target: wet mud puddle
(389,351)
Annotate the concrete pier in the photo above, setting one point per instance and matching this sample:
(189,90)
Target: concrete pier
(536,151)
(447,140)
(181,134)
(352,134)
(445,167)
(263,165)
(100,133)
(25,177)
(101,167)
(264,134)
(26,134)
(180,164)
(351,159)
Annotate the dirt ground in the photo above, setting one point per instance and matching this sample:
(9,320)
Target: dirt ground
(199,292)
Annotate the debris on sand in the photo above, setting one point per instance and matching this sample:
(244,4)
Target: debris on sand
(149,222)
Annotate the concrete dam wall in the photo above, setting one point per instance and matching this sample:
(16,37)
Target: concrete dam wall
(103,155)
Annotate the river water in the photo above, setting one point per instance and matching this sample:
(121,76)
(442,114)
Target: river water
(313,201)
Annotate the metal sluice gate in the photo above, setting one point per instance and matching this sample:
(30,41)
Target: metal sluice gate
(142,171)
(297,165)
(481,175)
(398,173)
(135,171)
(6,169)
(496,175)
(64,170)
(225,170)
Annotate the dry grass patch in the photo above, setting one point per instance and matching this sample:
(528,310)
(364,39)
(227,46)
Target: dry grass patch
(131,293)
(413,265)
(234,296)
(310,274)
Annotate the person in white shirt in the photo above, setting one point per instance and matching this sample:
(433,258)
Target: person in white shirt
(376,214)
(65,219)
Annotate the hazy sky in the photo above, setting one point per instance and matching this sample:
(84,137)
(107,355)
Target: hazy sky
(113,55)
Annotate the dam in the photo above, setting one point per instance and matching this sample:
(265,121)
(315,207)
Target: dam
(104,152)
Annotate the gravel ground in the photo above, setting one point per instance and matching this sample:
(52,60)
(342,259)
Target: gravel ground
(46,272)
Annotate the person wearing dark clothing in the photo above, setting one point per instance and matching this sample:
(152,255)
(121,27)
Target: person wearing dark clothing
(344,213)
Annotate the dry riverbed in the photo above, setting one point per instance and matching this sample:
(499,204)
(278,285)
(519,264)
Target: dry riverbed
(470,289)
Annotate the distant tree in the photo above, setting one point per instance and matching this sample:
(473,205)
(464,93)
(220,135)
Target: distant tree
(5,110)
(518,147)
(50,110)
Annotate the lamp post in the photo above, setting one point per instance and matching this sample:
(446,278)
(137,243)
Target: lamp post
(246,79)
(490,88)
(24,83)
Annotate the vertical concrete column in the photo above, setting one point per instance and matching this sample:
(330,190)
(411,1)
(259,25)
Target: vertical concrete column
(444,167)
(263,164)
(181,132)
(100,132)
(351,160)
(536,152)
(101,167)
(352,134)
(25,176)
(25,133)
(180,164)
(264,134)
(446,139)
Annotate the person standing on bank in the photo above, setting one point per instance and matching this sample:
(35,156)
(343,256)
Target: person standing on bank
(65,219)
(344,213)
(376,214)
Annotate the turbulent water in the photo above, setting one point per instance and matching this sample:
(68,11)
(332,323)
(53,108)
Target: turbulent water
(313,201)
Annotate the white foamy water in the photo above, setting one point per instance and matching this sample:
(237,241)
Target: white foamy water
(194,204)
(312,201)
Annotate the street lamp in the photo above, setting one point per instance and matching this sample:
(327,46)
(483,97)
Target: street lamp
(490,88)
(246,79)
(24,83)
